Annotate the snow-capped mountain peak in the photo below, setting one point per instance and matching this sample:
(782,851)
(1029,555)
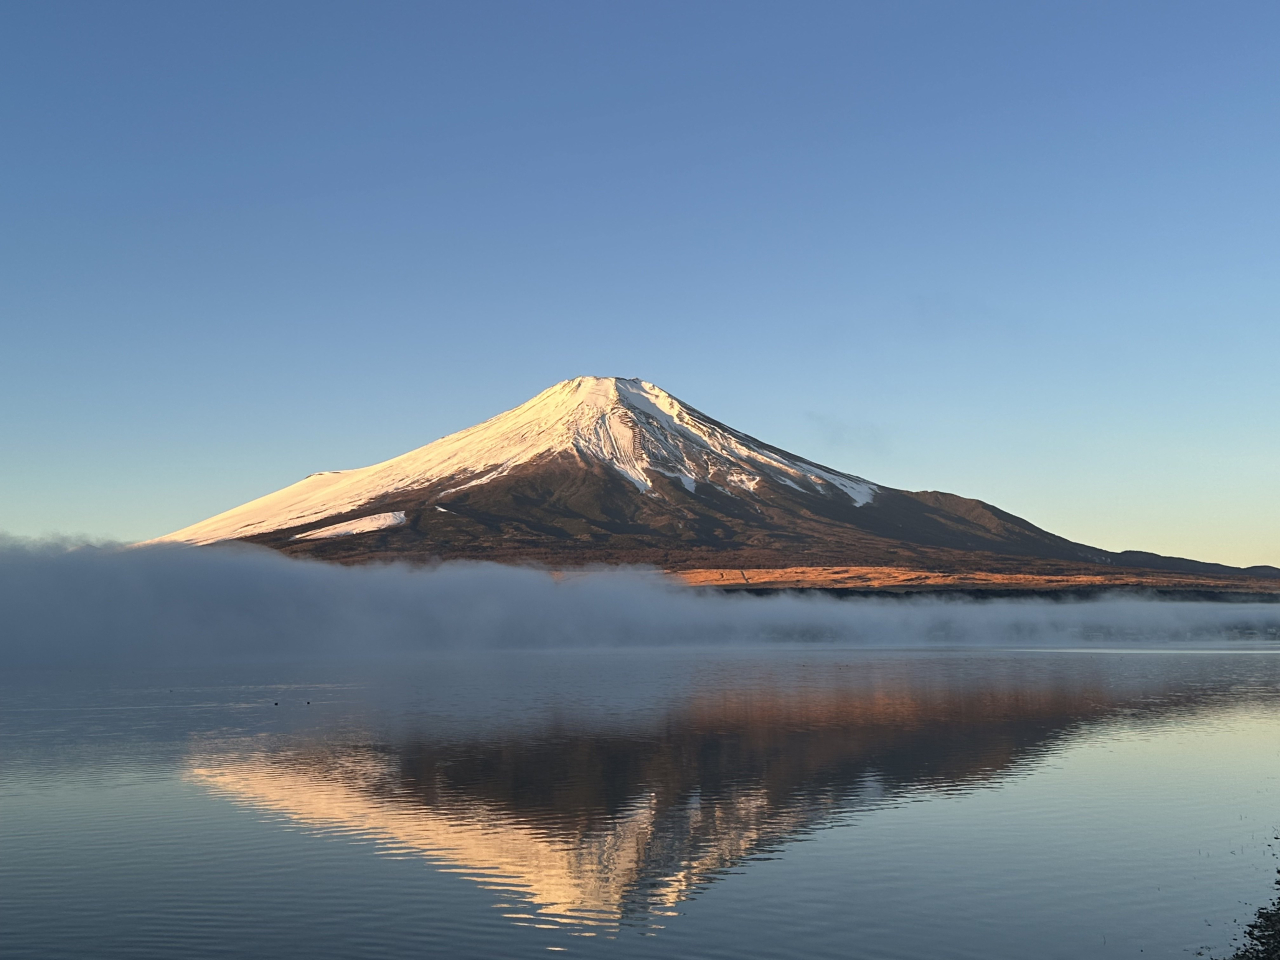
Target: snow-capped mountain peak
(631,426)
(617,471)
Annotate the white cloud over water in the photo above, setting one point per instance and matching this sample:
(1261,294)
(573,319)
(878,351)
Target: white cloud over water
(110,605)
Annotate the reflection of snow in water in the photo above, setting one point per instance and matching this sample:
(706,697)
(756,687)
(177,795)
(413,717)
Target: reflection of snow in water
(644,860)
(591,829)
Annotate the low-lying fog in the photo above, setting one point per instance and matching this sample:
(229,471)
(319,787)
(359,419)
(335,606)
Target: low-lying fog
(62,604)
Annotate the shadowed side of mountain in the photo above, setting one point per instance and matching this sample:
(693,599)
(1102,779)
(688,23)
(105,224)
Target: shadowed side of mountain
(570,515)
(1154,561)
(560,510)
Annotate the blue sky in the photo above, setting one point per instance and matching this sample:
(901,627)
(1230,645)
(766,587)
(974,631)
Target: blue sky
(1028,253)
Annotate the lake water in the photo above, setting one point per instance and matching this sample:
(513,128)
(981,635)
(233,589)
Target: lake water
(771,801)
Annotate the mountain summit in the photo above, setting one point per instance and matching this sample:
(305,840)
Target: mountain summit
(632,427)
(608,470)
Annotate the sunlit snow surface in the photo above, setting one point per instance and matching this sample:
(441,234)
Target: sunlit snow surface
(631,425)
(379,521)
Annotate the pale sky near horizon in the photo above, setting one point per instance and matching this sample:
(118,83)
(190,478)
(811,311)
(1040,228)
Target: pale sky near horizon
(1028,253)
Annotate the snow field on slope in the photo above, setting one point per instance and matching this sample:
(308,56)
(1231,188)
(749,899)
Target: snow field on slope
(630,425)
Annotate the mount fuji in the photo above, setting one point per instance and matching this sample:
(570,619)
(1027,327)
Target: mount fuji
(611,470)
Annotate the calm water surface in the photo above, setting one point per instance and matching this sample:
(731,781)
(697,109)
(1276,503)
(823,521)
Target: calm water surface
(782,802)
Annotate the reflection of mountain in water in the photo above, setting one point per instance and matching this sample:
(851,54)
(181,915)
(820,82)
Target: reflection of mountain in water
(601,827)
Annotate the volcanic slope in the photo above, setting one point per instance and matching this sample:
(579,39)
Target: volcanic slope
(610,470)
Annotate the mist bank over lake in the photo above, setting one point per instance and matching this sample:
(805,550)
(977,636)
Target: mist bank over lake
(63,604)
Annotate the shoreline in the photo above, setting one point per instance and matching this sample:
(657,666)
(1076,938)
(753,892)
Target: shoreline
(1062,595)
(901,582)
